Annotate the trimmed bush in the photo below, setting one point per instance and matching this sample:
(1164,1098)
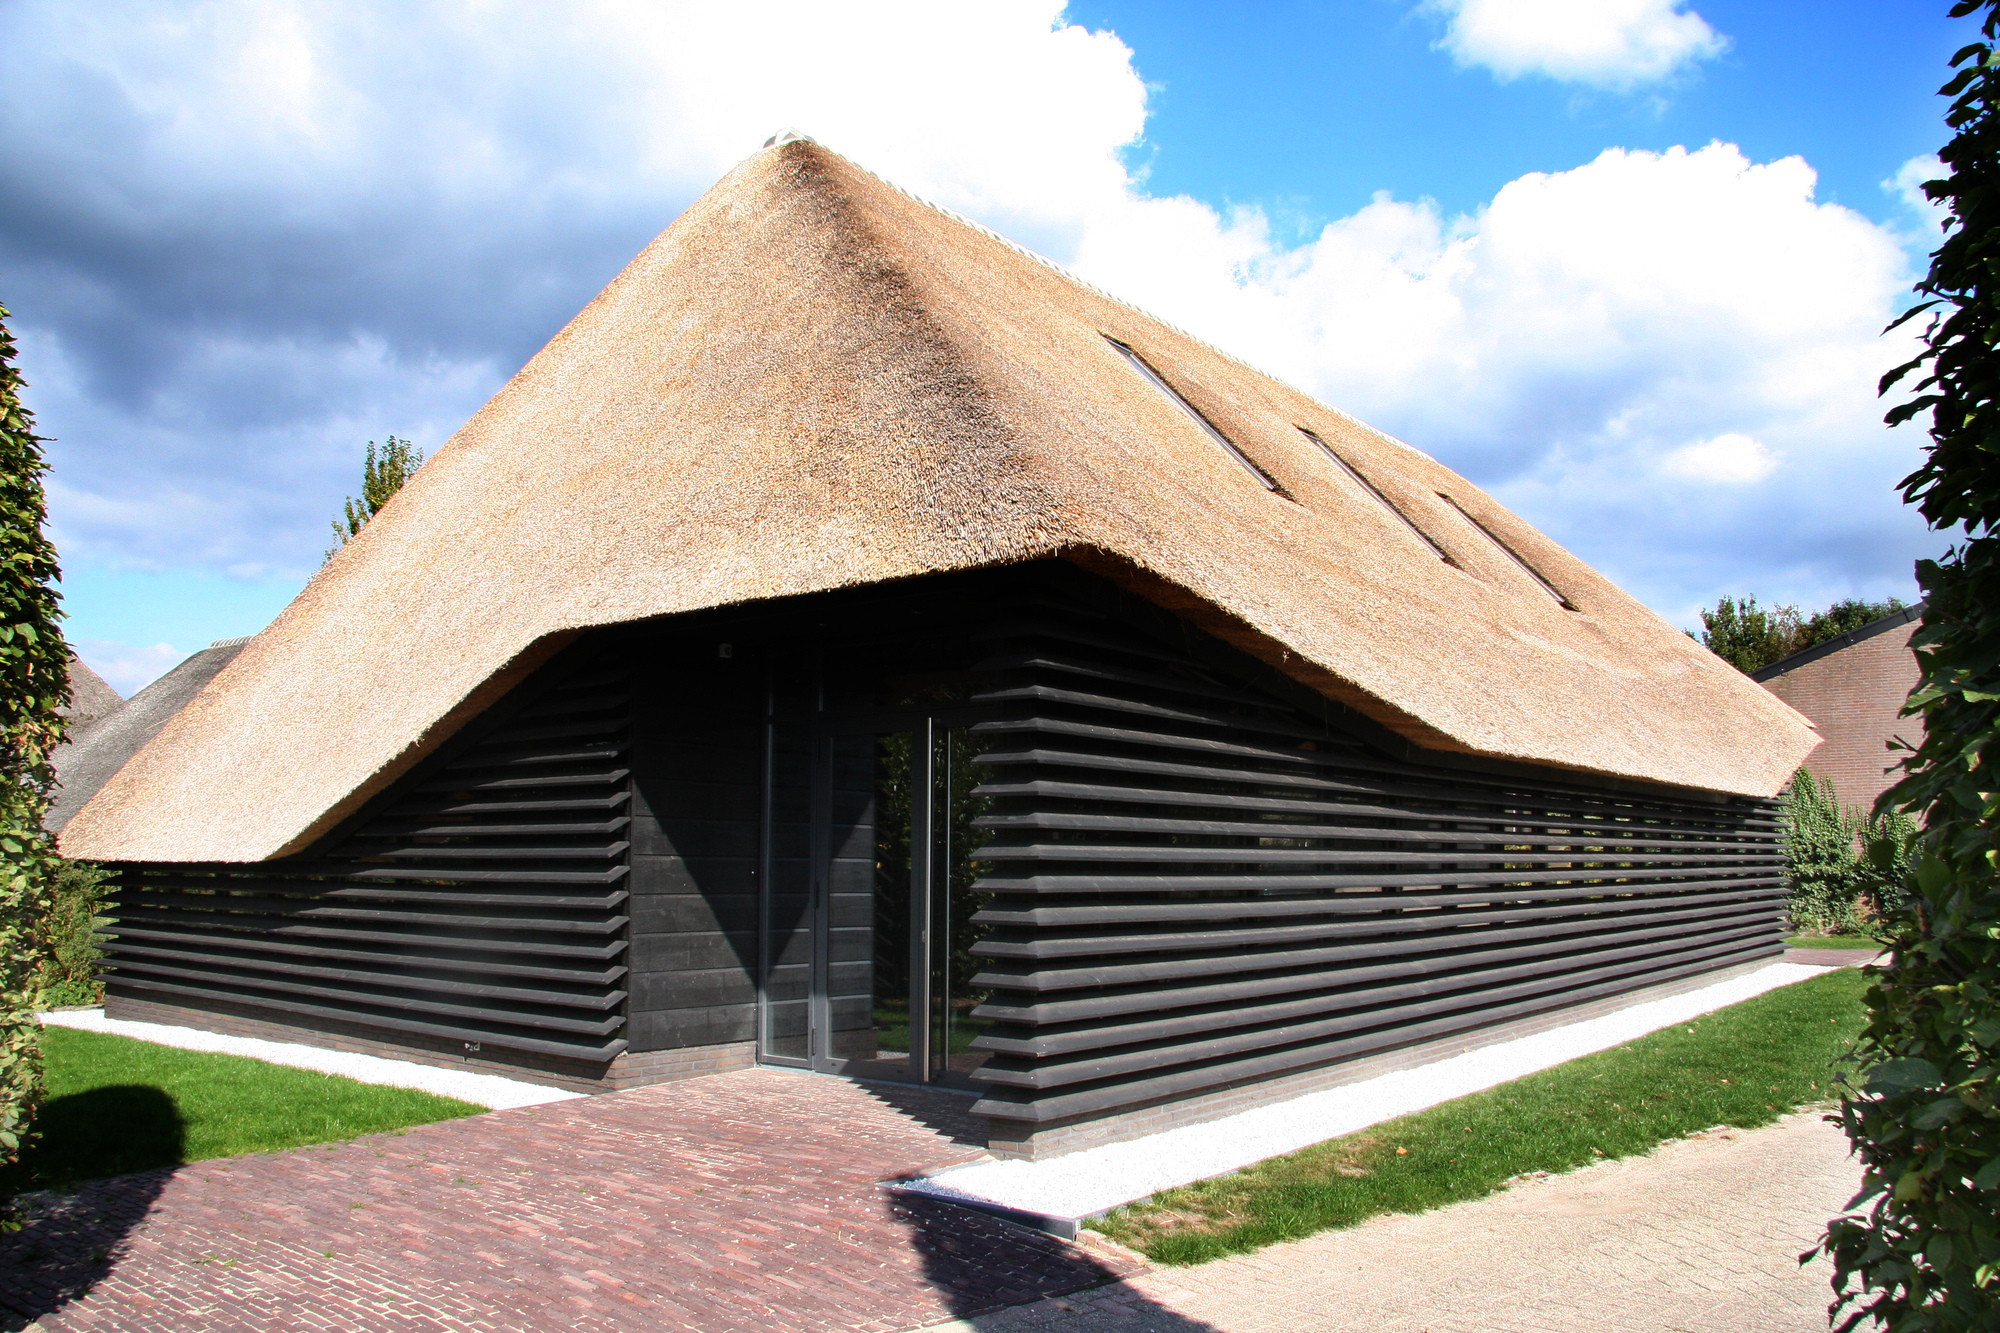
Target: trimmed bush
(34,685)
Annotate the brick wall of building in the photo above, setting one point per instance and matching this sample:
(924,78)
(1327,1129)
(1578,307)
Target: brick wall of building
(1853,697)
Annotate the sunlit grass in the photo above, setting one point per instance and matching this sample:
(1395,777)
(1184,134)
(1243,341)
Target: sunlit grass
(1745,1065)
(117,1105)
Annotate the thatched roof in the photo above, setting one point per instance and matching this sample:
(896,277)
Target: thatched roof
(92,756)
(813,380)
(91,698)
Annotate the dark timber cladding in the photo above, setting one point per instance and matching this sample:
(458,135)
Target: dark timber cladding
(483,902)
(1198,883)
(1195,873)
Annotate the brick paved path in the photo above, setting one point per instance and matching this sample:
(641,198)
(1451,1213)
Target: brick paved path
(1699,1237)
(744,1200)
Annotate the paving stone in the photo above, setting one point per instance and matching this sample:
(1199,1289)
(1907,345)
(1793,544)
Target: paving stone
(739,1201)
(1701,1236)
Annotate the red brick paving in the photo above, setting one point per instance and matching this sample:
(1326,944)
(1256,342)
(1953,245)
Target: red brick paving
(747,1200)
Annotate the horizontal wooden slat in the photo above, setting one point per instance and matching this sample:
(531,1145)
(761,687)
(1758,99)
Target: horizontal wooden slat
(497,1036)
(1453,928)
(600,778)
(387,952)
(138,958)
(150,907)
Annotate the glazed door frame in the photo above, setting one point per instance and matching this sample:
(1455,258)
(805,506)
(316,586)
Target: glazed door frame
(928,887)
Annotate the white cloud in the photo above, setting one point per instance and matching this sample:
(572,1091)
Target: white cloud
(1729,458)
(1908,186)
(1601,43)
(127,667)
(241,239)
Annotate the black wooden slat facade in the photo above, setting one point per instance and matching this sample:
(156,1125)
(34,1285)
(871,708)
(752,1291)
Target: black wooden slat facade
(1195,873)
(1196,884)
(485,901)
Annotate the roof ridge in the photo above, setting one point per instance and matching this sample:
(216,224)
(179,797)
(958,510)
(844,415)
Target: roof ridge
(777,142)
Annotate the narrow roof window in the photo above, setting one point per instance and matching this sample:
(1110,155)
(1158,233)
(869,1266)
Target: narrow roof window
(1512,554)
(1382,499)
(1153,377)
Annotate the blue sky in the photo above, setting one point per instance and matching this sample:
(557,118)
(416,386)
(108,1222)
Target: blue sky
(1624,263)
(1312,108)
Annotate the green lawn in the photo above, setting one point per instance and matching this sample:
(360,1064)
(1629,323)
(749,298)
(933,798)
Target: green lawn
(117,1105)
(1833,942)
(1744,1065)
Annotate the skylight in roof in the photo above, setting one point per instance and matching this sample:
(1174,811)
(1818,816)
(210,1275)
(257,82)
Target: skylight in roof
(1153,377)
(1382,499)
(1512,554)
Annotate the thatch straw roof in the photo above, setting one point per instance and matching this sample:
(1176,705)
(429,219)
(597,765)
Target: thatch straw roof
(91,698)
(92,756)
(813,380)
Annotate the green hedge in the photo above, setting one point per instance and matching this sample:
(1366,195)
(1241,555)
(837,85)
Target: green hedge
(34,685)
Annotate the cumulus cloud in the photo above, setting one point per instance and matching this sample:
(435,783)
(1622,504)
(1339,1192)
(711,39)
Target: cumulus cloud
(1729,458)
(242,238)
(1567,341)
(1616,44)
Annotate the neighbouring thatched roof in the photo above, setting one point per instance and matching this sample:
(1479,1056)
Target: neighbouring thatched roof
(91,698)
(92,756)
(813,380)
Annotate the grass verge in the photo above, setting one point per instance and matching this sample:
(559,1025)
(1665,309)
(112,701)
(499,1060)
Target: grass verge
(117,1105)
(1833,942)
(1745,1065)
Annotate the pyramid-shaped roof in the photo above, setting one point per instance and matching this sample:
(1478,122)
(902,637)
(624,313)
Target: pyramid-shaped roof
(91,698)
(813,380)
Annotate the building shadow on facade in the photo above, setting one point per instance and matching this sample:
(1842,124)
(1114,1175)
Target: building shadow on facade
(74,1234)
(940,1111)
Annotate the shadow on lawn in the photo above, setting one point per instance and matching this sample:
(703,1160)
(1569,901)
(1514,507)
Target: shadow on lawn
(74,1232)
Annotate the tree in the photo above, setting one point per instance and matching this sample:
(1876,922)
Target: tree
(1746,636)
(1843,617)
(34,686)
(1924,1252)
(1750,638)
(381,477)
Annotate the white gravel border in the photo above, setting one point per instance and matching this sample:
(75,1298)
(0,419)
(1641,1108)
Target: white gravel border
(1081,1184)
(488,1090)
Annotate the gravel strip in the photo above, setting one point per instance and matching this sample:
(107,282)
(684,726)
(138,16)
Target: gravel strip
(488,1090)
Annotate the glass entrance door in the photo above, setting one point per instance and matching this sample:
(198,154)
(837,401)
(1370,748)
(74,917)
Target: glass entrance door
(872,904)
(868,912)
(954,907)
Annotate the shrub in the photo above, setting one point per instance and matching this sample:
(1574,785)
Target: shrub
(1822,858)
(1918,1249)
(69,972)
(1845,868)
